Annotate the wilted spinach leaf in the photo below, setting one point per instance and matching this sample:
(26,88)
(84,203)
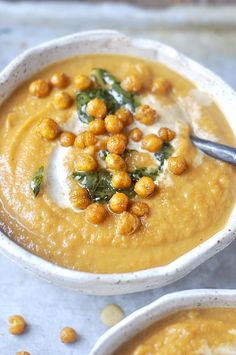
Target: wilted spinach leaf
(103,153)
(139,173)
(164,153)
(37,180)
(110,84)
(98,185)
(83,97)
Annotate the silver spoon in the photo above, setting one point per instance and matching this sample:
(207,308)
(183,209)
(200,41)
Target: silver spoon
(215,150)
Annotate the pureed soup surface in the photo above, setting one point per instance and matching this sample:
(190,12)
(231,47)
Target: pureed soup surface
(192,332)
(48,180)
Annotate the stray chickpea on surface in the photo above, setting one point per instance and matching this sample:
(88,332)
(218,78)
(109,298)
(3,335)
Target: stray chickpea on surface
(39,88)
(97,126)
(62,100)
(22,353)
(68,335)
(136,135)
(67,139)
(121,180)
(116,144)
(166,134)
(152,143)
(96,108)
(125,116)
(48,129)
(177,165)
(79,198)
(113,124)
(140,209)
(144,187)
(85,162)
(131,83)
(82,82)
(115,162)
(96,213)
(146,115)
(119,202)
(161,86)
(17,325)
(59,80)
(127,223)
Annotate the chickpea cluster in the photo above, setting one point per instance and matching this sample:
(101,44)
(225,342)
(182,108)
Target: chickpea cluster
(109,132)
(48,127)
(18,325)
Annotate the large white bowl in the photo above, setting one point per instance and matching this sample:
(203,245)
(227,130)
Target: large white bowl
(163,307)
(106,41)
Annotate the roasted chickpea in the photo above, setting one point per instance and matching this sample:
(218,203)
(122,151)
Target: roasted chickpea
(67,139)
(113,124)
(125,116)
(115,162)
(68,335)
(79,141)
(91,150)
(127,223)
(136,134)
(152,143)
(131,83)
(140,209)
(89,138)
(39,88)
(85,139)
(124,137)
(48,129)
(144,187)
(59,80)
(161,86)
(96,108)
(97,126)
(82,82)
(62,100)
(119,202)
(96,213)
(116,144)
(166,134)
(146,115)
(86,162)
(177,165)
(79,198)
(22,353)
(121,180)
(17,325)
(102,143)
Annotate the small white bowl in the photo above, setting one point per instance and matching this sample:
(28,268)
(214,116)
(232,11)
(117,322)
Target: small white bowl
(28,63)
(158,310)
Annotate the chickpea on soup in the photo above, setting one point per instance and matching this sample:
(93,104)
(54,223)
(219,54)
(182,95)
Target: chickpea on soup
(97,170)
(193,332)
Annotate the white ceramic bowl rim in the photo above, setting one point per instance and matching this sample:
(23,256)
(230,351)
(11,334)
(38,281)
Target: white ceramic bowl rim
(159,309)
(144,279)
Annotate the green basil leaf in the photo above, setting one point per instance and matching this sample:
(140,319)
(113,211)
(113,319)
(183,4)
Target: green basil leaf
(37,180)
(164,153)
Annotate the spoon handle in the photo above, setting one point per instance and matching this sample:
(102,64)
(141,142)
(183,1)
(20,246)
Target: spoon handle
(215,150)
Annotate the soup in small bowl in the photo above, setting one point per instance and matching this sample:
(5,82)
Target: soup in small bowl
(189,322)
